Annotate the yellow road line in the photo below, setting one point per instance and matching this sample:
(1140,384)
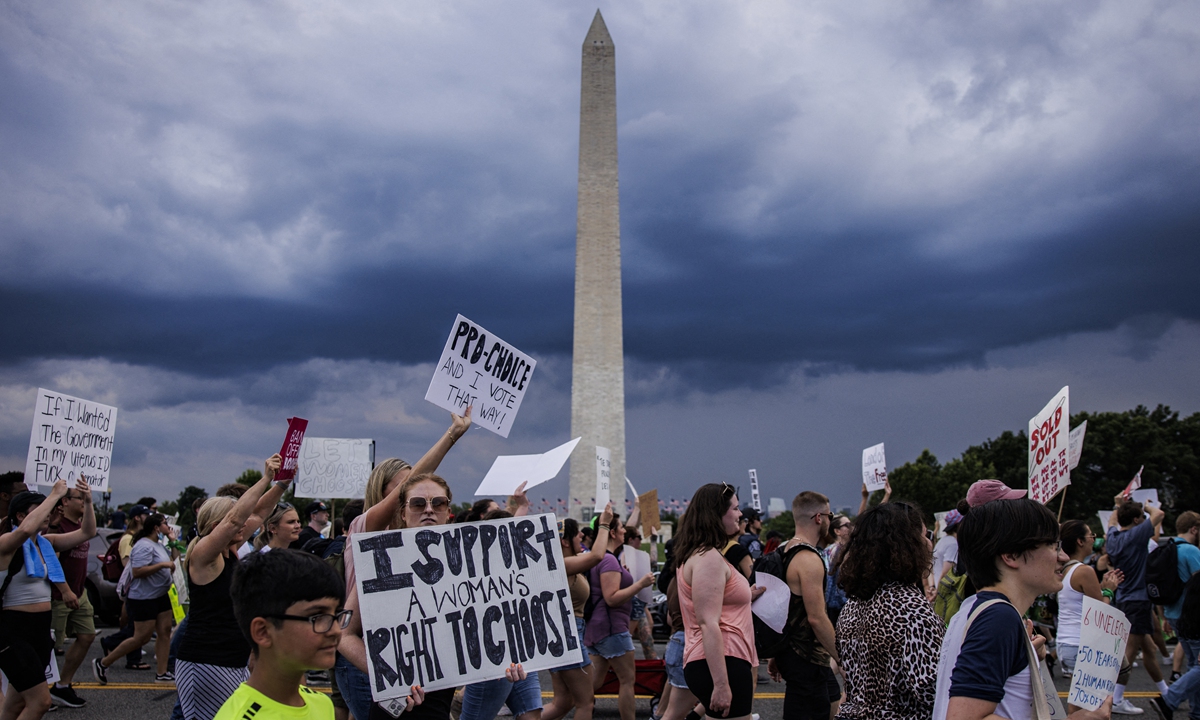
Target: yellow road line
(761,695)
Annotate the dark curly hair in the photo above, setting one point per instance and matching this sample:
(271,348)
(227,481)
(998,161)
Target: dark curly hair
(700,527)
(887,545)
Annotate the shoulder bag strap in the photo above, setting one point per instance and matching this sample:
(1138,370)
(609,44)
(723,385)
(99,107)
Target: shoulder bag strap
(1041,712)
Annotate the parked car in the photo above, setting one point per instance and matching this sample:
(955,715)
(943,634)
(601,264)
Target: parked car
(657,610)
(102,593)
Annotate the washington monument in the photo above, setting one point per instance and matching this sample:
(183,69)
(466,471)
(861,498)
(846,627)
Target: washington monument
(598,365)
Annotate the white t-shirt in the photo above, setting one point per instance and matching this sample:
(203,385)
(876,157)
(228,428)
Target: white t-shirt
(945,551)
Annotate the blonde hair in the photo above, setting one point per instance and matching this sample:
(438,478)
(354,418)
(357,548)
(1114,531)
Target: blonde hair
(264,536)
(402,501)
(380,476)
(212,512)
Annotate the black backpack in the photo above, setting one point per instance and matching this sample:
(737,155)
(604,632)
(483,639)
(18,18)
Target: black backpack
(1162,574)
(1189,617)
(767,641)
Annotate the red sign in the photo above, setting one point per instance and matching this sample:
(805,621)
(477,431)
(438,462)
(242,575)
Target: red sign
(1134,484)
(291,448)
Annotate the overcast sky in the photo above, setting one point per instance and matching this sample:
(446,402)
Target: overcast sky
(842,224)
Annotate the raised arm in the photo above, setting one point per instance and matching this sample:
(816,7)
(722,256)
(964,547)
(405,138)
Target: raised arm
(379,515)
(576,564)
(212,545)
(10,542)
(518,503)
(87,529)
(866,495)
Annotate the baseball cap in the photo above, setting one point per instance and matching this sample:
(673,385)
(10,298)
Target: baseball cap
(985,491)
(750,514)
(138,510)
(315,506)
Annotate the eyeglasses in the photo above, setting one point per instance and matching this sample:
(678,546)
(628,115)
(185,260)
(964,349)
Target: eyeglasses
(322,623)
(439,504)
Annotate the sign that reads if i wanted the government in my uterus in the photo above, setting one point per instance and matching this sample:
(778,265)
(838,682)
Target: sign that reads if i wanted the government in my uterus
(448,605)
(481,370)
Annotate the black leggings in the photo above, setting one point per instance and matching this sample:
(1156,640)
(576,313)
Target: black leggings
(25,646)
(741,684)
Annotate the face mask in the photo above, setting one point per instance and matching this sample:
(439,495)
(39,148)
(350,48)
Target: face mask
(161,537)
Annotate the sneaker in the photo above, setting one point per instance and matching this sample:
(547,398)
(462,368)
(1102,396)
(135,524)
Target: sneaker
(165,677)
(1161,707)
(66,697)
(1175,676)
(100,672)
(1126,708)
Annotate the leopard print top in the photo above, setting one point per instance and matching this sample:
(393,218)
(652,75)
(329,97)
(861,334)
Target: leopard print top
(889,646)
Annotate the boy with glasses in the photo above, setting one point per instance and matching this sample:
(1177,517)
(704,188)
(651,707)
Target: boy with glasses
(289,605)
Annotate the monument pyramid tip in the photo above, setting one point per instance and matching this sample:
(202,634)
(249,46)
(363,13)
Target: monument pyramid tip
(598,31)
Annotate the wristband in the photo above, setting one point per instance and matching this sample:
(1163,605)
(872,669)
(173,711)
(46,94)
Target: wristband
(1108,593)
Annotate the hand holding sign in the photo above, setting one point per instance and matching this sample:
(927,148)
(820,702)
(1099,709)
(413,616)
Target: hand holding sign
(271,468)
(290,452)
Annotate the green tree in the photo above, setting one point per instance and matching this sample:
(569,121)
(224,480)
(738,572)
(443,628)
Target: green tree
(783,523)
(249,477)
(187,498)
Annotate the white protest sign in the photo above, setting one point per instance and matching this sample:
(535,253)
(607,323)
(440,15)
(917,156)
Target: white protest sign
(603,478)
(1145,495)
(71,437)
(509,471)
(1102,636)
(333,467)
(1076,442)
(1049,469)
(450,605)
(637,562)
(772,606)
(477,368)
(874,468)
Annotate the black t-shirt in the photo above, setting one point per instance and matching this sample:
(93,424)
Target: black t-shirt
(305,535)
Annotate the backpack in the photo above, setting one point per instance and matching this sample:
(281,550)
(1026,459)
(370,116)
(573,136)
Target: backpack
(1189,616)
(110,562)
(317,546)
(952,590)
(767,641)
(1162,574)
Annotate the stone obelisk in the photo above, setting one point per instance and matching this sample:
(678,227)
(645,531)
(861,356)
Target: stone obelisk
(598,366)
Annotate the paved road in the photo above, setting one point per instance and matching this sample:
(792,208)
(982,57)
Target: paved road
(133,695)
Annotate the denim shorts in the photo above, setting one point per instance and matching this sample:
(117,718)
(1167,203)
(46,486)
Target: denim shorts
(483,700)
(639,609)
(580,625)
(612,646)
(674,661)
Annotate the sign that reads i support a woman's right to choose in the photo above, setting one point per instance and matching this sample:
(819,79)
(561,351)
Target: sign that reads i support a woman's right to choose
(449,605)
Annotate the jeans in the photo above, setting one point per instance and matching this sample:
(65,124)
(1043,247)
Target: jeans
(482,700)
(807,693)
(177,712)
(355,686)
(1187,687)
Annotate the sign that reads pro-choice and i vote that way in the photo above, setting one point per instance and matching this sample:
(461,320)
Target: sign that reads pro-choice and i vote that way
(444,606)
(477,368)
(70,438)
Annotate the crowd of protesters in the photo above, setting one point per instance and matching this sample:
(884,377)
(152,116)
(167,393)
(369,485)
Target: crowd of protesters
(881,622)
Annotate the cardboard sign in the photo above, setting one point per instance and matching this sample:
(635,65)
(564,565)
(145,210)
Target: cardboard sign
(603,478)
(481,370)
(291,448)
(1102,637)
(1049,464)
(648,504)
(70,438)
(334,467)
(449,605)
(1076,442)
(1134,484)
(874,468)
(509,471)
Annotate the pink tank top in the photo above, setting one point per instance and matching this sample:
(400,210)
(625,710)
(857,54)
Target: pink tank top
(737,623)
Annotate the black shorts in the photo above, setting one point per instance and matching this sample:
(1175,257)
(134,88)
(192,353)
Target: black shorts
(1138,612)
(741,684)
(145,610)
(25,646)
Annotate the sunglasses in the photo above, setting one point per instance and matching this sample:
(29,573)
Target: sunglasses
(439,504)
(284,507)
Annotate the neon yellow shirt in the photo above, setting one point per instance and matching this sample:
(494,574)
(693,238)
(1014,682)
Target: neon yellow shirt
(246,703)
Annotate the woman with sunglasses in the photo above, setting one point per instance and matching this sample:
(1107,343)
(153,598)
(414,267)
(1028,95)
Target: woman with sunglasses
(1079,579)
(211,661)
(383,509)
(280,530)
(148,602)
(572,683)
(720,660)
(839,535)
(888,637)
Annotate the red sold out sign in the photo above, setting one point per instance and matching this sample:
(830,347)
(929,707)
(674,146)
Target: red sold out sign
(1049,461)
(1044,438)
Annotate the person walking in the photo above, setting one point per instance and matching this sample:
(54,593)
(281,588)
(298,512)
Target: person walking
(30,569)
(133,660)
(148,602)
(719,657)
(1130,527)
(945,552)
(1080,580)
(607,636)
(888,637)
(211,660)
(71,536)
(571,682)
